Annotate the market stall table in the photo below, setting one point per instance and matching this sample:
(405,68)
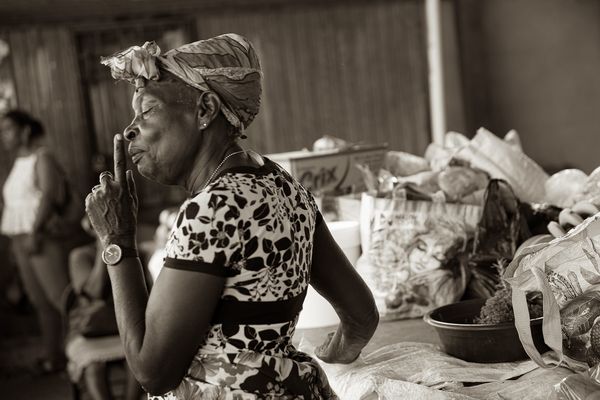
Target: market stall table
(404,340)
(388,332)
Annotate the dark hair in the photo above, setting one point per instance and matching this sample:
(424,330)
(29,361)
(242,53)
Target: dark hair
(24,120)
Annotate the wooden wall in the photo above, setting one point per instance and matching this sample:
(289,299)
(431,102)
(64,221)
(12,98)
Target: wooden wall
(8,100)
(47,80)
(356,71)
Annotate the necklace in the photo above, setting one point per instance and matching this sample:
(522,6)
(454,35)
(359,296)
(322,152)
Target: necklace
(219,167)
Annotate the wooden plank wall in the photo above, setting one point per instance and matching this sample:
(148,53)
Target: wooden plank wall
(47,80)
(357,71)
(8,101)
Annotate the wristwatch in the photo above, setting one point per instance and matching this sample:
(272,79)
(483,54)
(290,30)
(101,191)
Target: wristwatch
(113,254)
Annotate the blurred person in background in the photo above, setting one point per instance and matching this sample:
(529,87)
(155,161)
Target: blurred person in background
(90,311)
(247,242)
(36,197)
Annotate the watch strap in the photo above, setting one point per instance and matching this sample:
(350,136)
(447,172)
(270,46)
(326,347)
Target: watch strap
(128,252)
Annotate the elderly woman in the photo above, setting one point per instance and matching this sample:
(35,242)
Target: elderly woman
(246,244)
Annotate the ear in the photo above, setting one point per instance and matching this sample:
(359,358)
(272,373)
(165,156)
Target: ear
(208,107)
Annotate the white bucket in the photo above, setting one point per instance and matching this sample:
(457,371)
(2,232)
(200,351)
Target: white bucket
(316,311)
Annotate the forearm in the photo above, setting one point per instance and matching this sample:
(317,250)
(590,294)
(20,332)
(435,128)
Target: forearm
(44,213)
(359,328)
(336,279)
(356,327)
(354,304)
(130,298)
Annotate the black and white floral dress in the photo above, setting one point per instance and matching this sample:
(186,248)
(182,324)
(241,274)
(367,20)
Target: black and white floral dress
(255,227)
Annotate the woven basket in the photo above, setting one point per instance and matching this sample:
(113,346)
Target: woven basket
(502,161)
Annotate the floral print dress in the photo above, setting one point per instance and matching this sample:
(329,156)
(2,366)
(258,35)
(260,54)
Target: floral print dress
(253,226)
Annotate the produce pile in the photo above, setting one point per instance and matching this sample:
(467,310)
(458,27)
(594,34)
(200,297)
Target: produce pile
(413,259)
(498,308)
(516,204)
(420,178)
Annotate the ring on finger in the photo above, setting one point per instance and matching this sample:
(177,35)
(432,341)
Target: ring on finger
(106,174)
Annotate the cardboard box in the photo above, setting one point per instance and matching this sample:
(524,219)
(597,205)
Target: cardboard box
(332,171)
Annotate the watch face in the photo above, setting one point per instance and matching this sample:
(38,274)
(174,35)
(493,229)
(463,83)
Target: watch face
(112,254)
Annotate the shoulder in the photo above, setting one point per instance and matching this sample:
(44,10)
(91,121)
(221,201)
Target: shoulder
(210,205)
(47,169)
(45,159)
(205,228)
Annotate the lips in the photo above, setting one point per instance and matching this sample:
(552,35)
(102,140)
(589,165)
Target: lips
(136,155)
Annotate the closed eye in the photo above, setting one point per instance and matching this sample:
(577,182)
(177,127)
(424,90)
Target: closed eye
(148,112)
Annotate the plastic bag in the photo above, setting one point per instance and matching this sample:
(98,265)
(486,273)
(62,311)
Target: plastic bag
(405,164)
(501,228)
(409,253)
(564,187)
(567,272)
(420,371)
(578,387)
(498,233)
(501,160)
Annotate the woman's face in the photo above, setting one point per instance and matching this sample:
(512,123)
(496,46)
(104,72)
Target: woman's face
(426,255)
(11,134)
(163,136)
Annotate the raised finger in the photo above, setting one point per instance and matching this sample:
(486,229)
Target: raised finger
(119,158)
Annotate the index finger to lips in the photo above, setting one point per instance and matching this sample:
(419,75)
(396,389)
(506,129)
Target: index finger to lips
(119,158)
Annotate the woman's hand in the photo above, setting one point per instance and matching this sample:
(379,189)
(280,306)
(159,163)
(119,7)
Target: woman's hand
(337,349)
(112,205)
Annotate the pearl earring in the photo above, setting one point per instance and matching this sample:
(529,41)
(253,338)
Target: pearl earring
(203,125)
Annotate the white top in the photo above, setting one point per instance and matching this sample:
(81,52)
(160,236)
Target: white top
(21,197)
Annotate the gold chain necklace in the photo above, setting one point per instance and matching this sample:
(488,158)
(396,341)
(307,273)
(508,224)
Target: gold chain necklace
(219,167)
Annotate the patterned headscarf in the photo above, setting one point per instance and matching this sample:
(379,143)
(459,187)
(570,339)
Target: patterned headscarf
(226,65)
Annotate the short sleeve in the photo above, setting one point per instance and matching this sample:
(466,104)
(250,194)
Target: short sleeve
(315,208)
(205,235)
(318,219)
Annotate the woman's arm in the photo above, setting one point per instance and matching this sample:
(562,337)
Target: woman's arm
(47,181)
(334,277)
(161,333)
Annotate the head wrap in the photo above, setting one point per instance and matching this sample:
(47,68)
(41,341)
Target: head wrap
(226,65)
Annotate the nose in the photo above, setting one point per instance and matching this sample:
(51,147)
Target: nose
(131,131)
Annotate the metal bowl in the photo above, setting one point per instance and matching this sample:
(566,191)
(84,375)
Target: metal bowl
(478,342)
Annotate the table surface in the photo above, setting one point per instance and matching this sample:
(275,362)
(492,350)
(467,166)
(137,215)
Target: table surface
(388,332)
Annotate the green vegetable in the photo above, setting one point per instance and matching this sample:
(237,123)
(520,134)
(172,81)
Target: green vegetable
(498,308)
